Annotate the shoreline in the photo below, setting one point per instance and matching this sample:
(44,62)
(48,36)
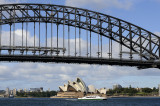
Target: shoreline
(31,97)
(116,97)
(106,96)
(132,96)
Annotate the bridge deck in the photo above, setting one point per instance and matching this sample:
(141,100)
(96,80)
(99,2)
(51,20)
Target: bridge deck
(31,48)
(80,60)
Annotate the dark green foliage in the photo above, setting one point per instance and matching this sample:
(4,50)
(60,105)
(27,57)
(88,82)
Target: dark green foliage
(147,90)
(133,92)
(2,92)
(37,94)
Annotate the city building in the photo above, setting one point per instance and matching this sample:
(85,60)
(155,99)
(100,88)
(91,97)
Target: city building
(25,90)
(48,90)
(102,90)
(7,91)
(20,90)
(11,92)
(41,89)
(117,86)
(36,89)
(14,91)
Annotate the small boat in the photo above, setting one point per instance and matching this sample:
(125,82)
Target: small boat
(94,97)
(11,96)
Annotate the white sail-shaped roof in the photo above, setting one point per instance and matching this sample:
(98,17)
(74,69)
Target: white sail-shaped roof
(82,84)
(78,85)
(91,89)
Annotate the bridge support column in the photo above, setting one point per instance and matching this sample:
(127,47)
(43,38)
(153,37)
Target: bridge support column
(130,36)
(0,36)
(159,48)
(140,43)
(120,39)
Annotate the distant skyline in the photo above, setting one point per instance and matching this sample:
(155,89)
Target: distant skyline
(144,13)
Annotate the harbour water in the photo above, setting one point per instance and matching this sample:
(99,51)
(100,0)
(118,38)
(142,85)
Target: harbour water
(132,101)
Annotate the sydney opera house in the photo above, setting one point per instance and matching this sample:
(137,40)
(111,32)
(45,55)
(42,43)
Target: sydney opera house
(78,88)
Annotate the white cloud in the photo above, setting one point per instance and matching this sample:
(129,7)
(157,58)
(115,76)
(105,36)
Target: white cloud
(9,1)
(157,33)
(53,75)
(101,4)
(25,1)
(18,38)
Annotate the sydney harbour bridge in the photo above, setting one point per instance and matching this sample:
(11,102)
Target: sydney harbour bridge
(55,33)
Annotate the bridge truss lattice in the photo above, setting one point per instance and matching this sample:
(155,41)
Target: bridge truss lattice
(73,35)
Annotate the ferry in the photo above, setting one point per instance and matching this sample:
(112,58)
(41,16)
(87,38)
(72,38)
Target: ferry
(94,97)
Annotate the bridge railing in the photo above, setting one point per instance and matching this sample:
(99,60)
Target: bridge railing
(12,50)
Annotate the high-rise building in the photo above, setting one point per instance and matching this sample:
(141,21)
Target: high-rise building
(159,89)
(11,92)
(20,90)
(7,91)
(14,91)
(41,89)
(48,89)
(25,90)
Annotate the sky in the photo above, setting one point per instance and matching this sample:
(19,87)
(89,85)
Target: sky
(143,13)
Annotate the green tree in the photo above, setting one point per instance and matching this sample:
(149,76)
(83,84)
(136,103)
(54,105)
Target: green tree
(147,90)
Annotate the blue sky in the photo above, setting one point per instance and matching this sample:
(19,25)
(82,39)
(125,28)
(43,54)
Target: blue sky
(144,13)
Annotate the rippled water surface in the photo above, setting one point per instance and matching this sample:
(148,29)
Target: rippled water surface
(74,102)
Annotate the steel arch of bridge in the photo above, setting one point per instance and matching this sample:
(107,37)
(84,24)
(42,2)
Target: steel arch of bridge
(138,40)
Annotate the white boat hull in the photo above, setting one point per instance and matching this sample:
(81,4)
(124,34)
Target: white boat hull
(93,98)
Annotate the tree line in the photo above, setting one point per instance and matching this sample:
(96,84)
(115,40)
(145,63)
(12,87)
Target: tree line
(133,92)
(37,94)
